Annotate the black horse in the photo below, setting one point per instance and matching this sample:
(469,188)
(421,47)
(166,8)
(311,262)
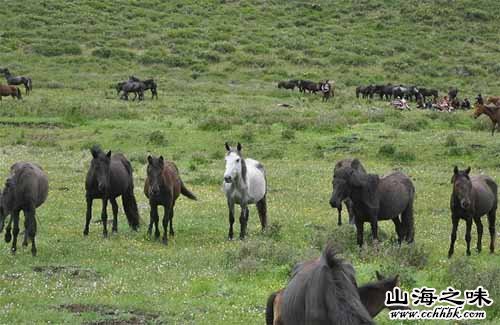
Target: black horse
(135,87)
(426,92)
(290,84)
(148,84)
(25,190)
(308,85)
(107,178)
(15,81)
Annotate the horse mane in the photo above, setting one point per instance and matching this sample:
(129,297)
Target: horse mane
(96,150)
(243,165)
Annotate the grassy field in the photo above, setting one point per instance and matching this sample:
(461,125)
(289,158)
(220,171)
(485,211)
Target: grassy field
(217,63)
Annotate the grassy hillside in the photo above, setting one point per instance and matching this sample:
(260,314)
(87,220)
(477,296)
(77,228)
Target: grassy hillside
(217,63)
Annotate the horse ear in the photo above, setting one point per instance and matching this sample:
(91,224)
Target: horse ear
(161,160)
(379,276)
(455,170)
(354,178)
(94,152)
(228,148)
(109,154)
(467,171)
(150,159)
(239,147)
(355,163)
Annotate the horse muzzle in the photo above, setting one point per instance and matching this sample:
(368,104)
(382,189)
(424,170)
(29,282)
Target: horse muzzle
(334,203)
(228,179)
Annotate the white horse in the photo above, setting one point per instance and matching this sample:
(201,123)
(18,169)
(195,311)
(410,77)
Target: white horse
(244,184)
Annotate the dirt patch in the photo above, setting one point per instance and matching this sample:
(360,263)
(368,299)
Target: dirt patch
(73,271)
(113,315)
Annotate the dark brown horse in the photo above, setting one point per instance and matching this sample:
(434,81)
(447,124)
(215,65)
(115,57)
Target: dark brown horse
(162,187)
(348,203)
(492,111)
(110,176)
(321,291)
(493,100)
(376,198)
(10,91)
(25,190)
(372,296)
(472,198)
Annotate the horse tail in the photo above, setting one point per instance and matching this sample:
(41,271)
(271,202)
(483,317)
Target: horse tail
(270,308)
(130,208)
(407,219)
(262,210)
(187,193)
(30,84)
(329,256)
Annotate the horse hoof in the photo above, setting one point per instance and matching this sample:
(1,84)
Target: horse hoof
(33,253)
(85,232)
(105,235)
(468,253)
(25,243)
(8,237)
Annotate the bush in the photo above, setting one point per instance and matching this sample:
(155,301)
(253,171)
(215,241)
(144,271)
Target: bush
(57,49)
(405,155)
(387,150)
(214,124)
(288,134)
(451,141)
(157,138)
(408,124)
(223,47)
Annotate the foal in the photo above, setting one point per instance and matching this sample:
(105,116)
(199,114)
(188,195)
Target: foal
(244,184)
(163,186)
(472,197)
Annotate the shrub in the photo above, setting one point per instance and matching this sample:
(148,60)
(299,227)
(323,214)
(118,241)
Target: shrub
(405,155)
(157,138)
(213,123)
(387,150)
(288,134)
(223,47)
(57,49)
(451,141)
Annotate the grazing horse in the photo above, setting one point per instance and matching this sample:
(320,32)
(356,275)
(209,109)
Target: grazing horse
(10,91)
(25,190)
(492,111)
(372,296)
(135,87)
(15,81)
(426,92)
(291,84)
(472,198)
(163,186)
(110,176)
(348,203)
(310,86)
(365,91)
(376,198)
(321,291)
(148,84)
(244,183)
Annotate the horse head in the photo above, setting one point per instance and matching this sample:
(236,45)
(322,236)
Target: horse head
(100,168)
(235,167)
(462,187)
(154,171)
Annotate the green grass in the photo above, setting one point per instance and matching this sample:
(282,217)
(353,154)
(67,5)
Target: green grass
(217,63)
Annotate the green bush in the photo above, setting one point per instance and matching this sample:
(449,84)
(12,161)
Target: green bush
(57,49)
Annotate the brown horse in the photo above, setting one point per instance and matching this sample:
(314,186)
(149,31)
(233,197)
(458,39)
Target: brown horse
(163,186)
(372,296)
(493,100)
(13,91)
(472,198)
(492,111)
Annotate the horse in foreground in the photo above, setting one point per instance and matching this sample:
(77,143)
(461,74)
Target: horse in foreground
(110,176)
(244,184)
(163,186)
(372,296)
(472,198)
(10,91)
(348,203)
(490,110)
(15,81)
(376,198)
(26,189)
(321,291)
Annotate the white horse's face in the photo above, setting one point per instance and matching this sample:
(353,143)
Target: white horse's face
(233,167)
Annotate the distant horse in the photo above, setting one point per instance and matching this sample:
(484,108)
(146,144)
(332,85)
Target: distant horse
(347,201)
(321,291)
(244,183)
(376,198)
(290,84)
(365,91)
(327,90)
(15,81)
(26,189)
(385,91)
(493,100)
(133,87)
(148,84)
(372,296)
(452,93)
(119,86)
(109,177)
(472,198)
(163,186)
(307,85)
(426,92)
(492,111)
(10,91)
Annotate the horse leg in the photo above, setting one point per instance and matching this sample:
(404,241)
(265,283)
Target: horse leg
(26,227)
(230,205)
(104,217)
(154,219)
(30,228)
(167,217)
(407,221)
(171,227)
(339,209)
(374,226)
(491,226)
(350,211)
(359,232)
(114,206)
(88,217)
(243,221)
(468,227)
(399,230)
(15,217)
(453,237)
(479,227)
(8,231)
(262,210)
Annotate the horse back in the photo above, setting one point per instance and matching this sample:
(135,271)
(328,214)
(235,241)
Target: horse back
(171,178)
(396,192)
(31,183)
(484,193)
(256,180)
(120,175)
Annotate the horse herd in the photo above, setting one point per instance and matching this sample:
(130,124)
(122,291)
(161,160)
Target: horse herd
(137,87)
(12,81)
(325,87)
(322,290)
